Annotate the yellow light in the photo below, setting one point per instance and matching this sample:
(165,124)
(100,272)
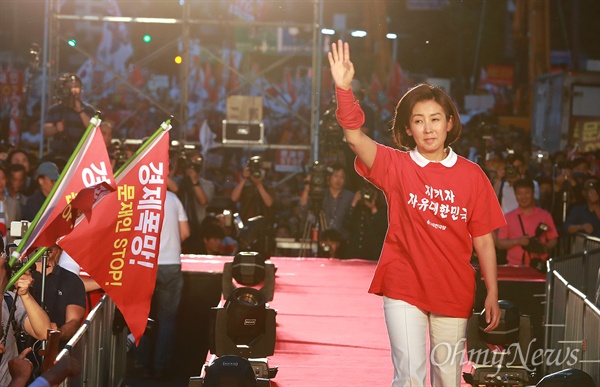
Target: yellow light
(178,59)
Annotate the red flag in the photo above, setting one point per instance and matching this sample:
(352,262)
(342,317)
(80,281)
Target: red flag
(81,205)
(119,248)
(89,167)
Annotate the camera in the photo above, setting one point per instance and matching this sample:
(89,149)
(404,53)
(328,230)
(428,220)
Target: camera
(258,167)
(186,156)
(368,192)
(64,94)
(19,228)
(195,163)
(510,171)
(535,244)
(318,181)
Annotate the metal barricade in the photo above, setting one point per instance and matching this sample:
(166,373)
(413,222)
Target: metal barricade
(99,347)
(572,326)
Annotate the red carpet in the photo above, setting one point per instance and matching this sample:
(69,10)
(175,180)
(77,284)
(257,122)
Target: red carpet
(330,331)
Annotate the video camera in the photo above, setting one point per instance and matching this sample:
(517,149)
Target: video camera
(63,86)
(258,166)
(318,181)
(186,156)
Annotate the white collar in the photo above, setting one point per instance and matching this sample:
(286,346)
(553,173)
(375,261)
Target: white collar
(421,161)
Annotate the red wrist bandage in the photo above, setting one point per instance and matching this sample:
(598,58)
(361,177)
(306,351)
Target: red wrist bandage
(349,113)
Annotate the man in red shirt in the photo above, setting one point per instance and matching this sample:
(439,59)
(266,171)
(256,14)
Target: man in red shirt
(530,232)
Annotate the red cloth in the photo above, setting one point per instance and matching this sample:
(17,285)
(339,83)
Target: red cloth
(434,211)
(349,113)
(513,230)
(124,229)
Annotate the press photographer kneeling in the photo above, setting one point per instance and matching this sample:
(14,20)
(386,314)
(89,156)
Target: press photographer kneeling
(530,233)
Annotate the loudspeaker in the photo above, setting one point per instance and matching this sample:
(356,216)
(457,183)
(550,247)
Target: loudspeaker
(570,377)
(238,132)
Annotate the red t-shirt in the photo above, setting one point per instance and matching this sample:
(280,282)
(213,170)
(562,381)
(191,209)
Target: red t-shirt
(434,211)
(513,230)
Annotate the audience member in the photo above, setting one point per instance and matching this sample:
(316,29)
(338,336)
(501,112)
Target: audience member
(46,176)
(22,157)
(585,218)
(16,183)
(167,293)
(20,369)
(367,222)
(10,209)
(529,233)
(28,317)
(64,295)
(212,237)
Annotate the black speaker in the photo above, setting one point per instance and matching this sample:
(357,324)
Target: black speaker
(571,377)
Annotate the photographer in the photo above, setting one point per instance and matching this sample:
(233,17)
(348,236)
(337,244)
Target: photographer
(68,119)
(195,193)
(529,234)
(514,170)
(335,200)
(367,222)
(253,196)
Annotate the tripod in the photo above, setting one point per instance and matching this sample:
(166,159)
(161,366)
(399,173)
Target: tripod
(315,222)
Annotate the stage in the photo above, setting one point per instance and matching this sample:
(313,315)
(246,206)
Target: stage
(330,331)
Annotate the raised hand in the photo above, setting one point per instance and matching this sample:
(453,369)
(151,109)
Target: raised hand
(342,69)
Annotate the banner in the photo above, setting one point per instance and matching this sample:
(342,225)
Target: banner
(90,167)
(118,244)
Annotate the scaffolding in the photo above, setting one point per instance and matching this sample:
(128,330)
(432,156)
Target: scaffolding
(55,39)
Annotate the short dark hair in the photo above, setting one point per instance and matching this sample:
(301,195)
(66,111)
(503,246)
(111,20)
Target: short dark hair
(213,231)
(420,93)
(524,183)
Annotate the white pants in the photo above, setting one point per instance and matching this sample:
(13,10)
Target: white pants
(407,328)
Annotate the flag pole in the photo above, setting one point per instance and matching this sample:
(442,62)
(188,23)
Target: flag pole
(94,121)
(164,127)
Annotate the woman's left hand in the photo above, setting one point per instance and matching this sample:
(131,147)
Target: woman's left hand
(492,313)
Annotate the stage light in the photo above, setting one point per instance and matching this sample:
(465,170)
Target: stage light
(327,31)
(391,36)
(178,59)
(72,42)
(229,370)
(358,34)
(499,352)
(247,314)
(248,268)
(253,237)
(147,38)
